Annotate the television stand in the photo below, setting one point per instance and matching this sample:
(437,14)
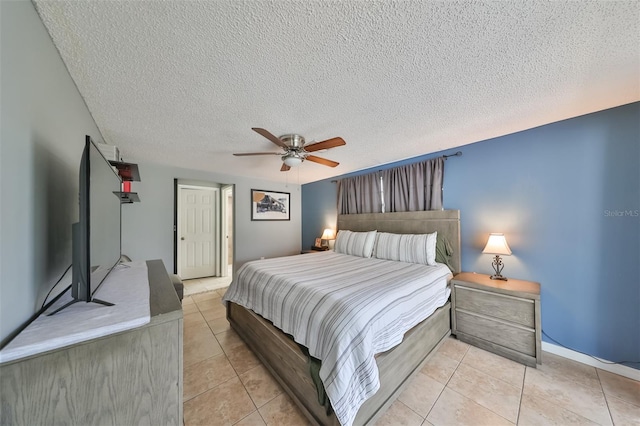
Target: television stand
(126,378)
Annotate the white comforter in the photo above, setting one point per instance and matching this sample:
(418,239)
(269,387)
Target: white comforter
(344,309)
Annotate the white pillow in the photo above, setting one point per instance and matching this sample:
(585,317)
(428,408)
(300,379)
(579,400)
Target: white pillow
(387,246)
(410,248)
(355,243)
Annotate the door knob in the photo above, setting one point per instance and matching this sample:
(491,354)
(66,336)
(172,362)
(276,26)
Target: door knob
(182,238)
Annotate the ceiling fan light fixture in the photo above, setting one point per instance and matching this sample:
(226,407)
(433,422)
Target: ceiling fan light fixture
(296,151)
(292,159)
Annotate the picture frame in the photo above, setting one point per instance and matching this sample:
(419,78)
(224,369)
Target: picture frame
(270,205)
(318,242)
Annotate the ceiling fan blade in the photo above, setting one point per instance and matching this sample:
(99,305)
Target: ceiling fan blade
(329,143)
(322,161)
(284,168)
(240,154)
(269,136)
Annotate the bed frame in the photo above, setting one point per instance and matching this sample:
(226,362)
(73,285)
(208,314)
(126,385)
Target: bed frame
(289,365)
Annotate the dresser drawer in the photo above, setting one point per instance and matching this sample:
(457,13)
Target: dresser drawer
(504,307)
(510,336)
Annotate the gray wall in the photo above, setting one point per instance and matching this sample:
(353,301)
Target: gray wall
(147,227)
(43,123)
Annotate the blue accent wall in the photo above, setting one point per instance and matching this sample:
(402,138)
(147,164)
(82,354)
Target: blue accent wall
(567,197)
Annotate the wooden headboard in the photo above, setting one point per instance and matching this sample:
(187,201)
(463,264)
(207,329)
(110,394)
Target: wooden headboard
(445,222)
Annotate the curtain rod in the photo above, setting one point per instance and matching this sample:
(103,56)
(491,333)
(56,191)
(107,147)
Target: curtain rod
(456,154)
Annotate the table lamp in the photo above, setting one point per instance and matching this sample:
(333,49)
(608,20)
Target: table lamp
(497,245)
(327,235)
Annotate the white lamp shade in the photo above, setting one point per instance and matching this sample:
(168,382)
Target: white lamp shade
(497,244)
(328,234)
(292,160)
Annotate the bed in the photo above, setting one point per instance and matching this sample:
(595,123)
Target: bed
(394,363)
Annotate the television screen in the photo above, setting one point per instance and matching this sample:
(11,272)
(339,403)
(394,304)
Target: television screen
(96,237)
(103,218)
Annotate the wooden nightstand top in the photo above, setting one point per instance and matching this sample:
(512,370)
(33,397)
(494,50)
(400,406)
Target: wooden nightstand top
(513,286)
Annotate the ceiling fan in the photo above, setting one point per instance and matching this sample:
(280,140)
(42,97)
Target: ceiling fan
(295,150)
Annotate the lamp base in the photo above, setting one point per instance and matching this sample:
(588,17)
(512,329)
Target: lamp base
(497,267)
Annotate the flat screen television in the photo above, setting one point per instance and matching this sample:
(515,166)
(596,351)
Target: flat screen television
(96,237)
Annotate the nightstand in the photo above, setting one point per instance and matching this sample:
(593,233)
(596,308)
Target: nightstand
(502,317)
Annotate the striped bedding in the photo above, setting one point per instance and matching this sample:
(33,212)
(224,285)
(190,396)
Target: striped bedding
(344,309)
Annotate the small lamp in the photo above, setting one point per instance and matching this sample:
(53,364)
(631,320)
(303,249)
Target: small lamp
(327,235)
(497,245)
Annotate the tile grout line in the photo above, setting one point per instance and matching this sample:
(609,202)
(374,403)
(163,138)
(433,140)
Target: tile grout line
(448,380)
(571,410)
(604,394)
(499,380)
(495,378)
(410,409)
(256,411)
(524,378)
(248,393)
(254,403)
(435,402)
(210,389)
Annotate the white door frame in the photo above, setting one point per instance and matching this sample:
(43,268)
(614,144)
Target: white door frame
(215,225)
(226,192)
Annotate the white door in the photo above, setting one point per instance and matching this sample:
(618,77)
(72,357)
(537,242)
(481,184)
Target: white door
(197,232)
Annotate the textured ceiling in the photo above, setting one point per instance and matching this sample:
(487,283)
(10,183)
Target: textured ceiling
(183,82)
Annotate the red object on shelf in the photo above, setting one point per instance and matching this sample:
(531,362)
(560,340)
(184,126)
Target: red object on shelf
(126,186)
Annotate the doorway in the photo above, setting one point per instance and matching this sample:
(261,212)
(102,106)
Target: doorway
(203,234)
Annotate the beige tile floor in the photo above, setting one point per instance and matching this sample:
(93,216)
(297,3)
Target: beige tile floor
(225,384)
(201,285)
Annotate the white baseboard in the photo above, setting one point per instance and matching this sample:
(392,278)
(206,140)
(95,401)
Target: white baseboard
(620,369)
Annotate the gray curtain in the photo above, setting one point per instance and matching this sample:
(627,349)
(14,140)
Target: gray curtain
(359,194)
(412,187)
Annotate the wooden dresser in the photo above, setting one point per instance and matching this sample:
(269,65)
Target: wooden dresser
(127,378)
(502,317)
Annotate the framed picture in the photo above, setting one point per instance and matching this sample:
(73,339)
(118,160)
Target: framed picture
(318,242)
(269,205)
